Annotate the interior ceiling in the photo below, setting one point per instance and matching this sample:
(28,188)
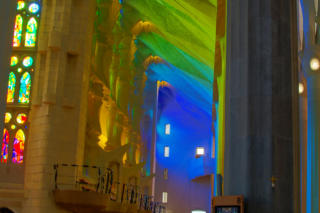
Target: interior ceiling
(183,36)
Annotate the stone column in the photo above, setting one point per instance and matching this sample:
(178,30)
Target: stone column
(259,130)
(7,11)
(58,120)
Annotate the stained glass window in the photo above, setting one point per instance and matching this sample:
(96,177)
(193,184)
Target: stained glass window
(25,87)
(17,31)
(14,61)
(7,117)
(34,8)
(27,61)
(31,33)
(4,148)
(20,79)
(11,87)
(20,5)
(18,147)
(21,118)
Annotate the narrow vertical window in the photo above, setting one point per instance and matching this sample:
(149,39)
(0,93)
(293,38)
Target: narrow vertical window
(166,151)
(199,151)
(4,148)
(25,87)
(18,147)
(31,34)
(11,87)
(17,31)
(167,130)
(164,197)
(165,174)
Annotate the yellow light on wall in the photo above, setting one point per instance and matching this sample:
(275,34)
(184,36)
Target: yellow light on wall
(301,88)
(314,64)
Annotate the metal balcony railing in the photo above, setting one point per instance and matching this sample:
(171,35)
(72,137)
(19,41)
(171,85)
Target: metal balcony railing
(101,180)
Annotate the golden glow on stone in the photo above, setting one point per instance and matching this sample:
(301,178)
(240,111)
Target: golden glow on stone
(102,141)
(301,88)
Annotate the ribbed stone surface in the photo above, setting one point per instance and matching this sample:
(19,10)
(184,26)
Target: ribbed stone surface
(259,123)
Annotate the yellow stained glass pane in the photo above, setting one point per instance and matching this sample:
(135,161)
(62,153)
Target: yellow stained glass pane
(7,117)
(20,5)
(14,61)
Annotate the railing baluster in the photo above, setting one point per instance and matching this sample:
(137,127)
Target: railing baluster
(99,179)
(104,185)
(55,167)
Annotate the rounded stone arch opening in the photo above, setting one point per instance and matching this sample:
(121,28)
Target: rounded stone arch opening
(6,210)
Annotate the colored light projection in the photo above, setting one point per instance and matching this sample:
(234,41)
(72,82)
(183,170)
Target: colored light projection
(21,118)
(189,41)
(4,148)
(18,147)
(17,31)
(190,128)
(31,33)
(11,87)
(25,87)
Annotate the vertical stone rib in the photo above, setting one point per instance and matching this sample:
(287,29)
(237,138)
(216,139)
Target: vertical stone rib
(259,95)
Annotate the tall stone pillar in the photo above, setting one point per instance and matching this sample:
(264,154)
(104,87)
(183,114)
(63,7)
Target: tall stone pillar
(57,117)
(259,125)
